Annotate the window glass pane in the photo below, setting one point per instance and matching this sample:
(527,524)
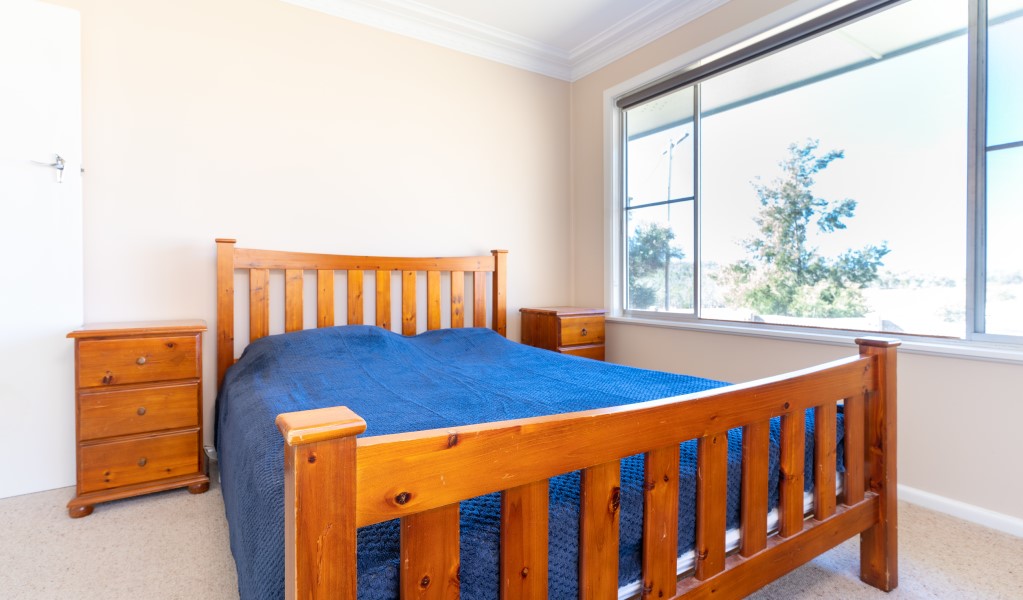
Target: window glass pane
(1005,72)
(659,150)
(1004,314)
(833,178)
(659,257)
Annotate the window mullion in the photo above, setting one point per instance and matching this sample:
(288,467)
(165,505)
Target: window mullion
(976,153)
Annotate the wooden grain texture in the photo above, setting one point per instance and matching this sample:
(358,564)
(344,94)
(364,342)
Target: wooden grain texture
(355,302)
(430,554)
(259,304)
(293,279)
(825,462)
(660,521)
(524,526)
(600,491)
(427,466)
(791,478)
(383,299)
(711,488)
(457,299)
(743,576)
(408,302)
(500,297)
(111,413)
(225,306)
(319,525)
(756,441)
(136,460)
(324,298)
(129,360)
(879,545)
(432,300)
(853,413)
(479,300)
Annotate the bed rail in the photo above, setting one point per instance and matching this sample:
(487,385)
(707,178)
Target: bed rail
(259,264)
(336,483)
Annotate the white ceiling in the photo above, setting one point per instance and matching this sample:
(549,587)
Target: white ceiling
(566,39)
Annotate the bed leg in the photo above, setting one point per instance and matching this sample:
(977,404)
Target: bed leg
(319,502)
(879,553)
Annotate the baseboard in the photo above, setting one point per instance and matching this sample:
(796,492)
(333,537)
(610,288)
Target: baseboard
(967,512)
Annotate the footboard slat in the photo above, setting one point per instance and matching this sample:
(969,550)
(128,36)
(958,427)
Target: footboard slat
(524,521)
(756,441)
(598,531)
(790,497)
(853,488)
(293,299)
(325,298)
(355,308)
(711,489)
(430,554)
(824,461)
(660,522)
(383,297)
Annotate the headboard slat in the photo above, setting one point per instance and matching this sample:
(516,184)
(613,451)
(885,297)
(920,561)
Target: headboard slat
(457,299)
(325,298)
(355,297)
(479,300)
(259,303)
(408,302)
(432,300)
(384,299)
(293,299)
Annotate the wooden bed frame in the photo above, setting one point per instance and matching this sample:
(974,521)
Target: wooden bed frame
(336,482)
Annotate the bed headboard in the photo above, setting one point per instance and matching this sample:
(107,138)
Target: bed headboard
(259,263)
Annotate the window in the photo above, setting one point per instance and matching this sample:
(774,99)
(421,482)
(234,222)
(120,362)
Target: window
(840,174)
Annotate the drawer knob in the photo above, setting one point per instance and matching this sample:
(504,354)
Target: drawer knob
(142,461)
(582,333)
(140,360)
(141,411)
(108,378)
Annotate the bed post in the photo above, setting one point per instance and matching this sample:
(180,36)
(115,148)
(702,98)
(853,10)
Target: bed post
(225,306)
(879,545)
(500,299)
(319,502)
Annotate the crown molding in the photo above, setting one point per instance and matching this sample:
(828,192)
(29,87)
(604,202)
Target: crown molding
(415,20)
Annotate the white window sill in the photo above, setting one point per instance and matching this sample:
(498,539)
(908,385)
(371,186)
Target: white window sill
(962,349)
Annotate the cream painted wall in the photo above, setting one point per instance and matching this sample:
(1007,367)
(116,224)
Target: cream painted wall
(290,129)
(958,418)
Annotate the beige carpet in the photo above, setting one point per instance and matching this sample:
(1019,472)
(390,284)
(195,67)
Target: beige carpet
(174,545)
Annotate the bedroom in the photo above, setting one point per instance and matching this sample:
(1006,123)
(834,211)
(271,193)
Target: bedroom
(205,119)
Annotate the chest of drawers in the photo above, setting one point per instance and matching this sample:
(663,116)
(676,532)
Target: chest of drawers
(565,329)
(138,407)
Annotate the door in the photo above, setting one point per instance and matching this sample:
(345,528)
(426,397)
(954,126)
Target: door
(40,243)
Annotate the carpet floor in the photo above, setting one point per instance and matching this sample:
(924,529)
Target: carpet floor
(175,545)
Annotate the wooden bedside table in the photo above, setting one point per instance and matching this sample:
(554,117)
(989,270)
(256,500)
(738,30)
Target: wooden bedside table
(138,409)
(565,329)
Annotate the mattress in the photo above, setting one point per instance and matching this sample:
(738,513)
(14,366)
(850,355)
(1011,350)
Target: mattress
(437,379)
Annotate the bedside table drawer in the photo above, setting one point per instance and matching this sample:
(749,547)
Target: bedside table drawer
(139,360)
(596,352)
(582,330)
(111,413)
(117,464)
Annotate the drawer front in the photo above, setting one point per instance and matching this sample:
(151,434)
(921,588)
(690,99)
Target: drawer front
(582,330)
(594,352)
(137,360)
(116,464)
(112,413)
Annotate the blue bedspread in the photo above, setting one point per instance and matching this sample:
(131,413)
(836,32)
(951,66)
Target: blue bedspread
(437,379)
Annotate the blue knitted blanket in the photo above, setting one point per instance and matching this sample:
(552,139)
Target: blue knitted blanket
(437,379)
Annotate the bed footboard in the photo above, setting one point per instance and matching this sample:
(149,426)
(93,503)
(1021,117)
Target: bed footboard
(336,483)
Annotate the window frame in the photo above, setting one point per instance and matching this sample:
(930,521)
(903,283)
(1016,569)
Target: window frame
(801,21)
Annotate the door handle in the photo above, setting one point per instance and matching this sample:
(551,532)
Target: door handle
(58,163)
